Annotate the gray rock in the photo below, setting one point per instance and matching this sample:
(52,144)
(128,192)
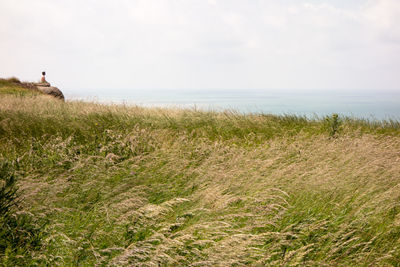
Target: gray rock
(51,90)
(45,88)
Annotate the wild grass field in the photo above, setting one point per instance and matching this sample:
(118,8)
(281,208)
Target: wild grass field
(84,184)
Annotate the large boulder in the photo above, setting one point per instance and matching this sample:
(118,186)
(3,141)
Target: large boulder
(51,90)
(45,88)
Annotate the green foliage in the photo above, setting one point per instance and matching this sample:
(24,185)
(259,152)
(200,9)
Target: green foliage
(20,233)
(334,124)
(8,190)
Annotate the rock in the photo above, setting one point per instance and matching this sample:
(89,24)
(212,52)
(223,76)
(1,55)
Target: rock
(45,88)
(51,90)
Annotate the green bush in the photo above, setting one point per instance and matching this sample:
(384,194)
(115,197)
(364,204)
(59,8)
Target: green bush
(334,124)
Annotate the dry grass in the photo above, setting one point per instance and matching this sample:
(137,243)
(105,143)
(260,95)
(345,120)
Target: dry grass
(148,187)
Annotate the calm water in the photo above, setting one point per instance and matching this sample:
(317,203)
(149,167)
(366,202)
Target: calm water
(370,105)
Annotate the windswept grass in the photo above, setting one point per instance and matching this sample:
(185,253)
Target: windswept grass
(145,187)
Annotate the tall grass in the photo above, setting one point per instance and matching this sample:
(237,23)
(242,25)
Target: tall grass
(144,186)
(20,234)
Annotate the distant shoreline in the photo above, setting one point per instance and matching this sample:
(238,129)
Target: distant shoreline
(371,107)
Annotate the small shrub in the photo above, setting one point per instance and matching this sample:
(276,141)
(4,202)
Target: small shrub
(14,80)
(334,124)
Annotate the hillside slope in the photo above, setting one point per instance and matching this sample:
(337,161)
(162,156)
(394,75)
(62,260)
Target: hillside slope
(115,185)
(13,86)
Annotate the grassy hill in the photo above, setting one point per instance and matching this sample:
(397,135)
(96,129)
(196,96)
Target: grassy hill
(15,87)
(117,185)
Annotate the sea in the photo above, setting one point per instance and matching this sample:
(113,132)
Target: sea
(368,104)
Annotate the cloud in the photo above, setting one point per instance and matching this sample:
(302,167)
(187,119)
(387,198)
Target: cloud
(383,17)
(202,44)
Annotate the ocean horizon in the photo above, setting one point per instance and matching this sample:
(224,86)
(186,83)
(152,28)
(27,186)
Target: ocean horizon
(372,105)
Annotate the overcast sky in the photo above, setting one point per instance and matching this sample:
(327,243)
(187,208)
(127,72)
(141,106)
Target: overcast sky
(203,44)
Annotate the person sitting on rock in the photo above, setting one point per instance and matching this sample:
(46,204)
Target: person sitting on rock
(43,81)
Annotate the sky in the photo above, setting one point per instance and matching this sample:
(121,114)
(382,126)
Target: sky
(203,44)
